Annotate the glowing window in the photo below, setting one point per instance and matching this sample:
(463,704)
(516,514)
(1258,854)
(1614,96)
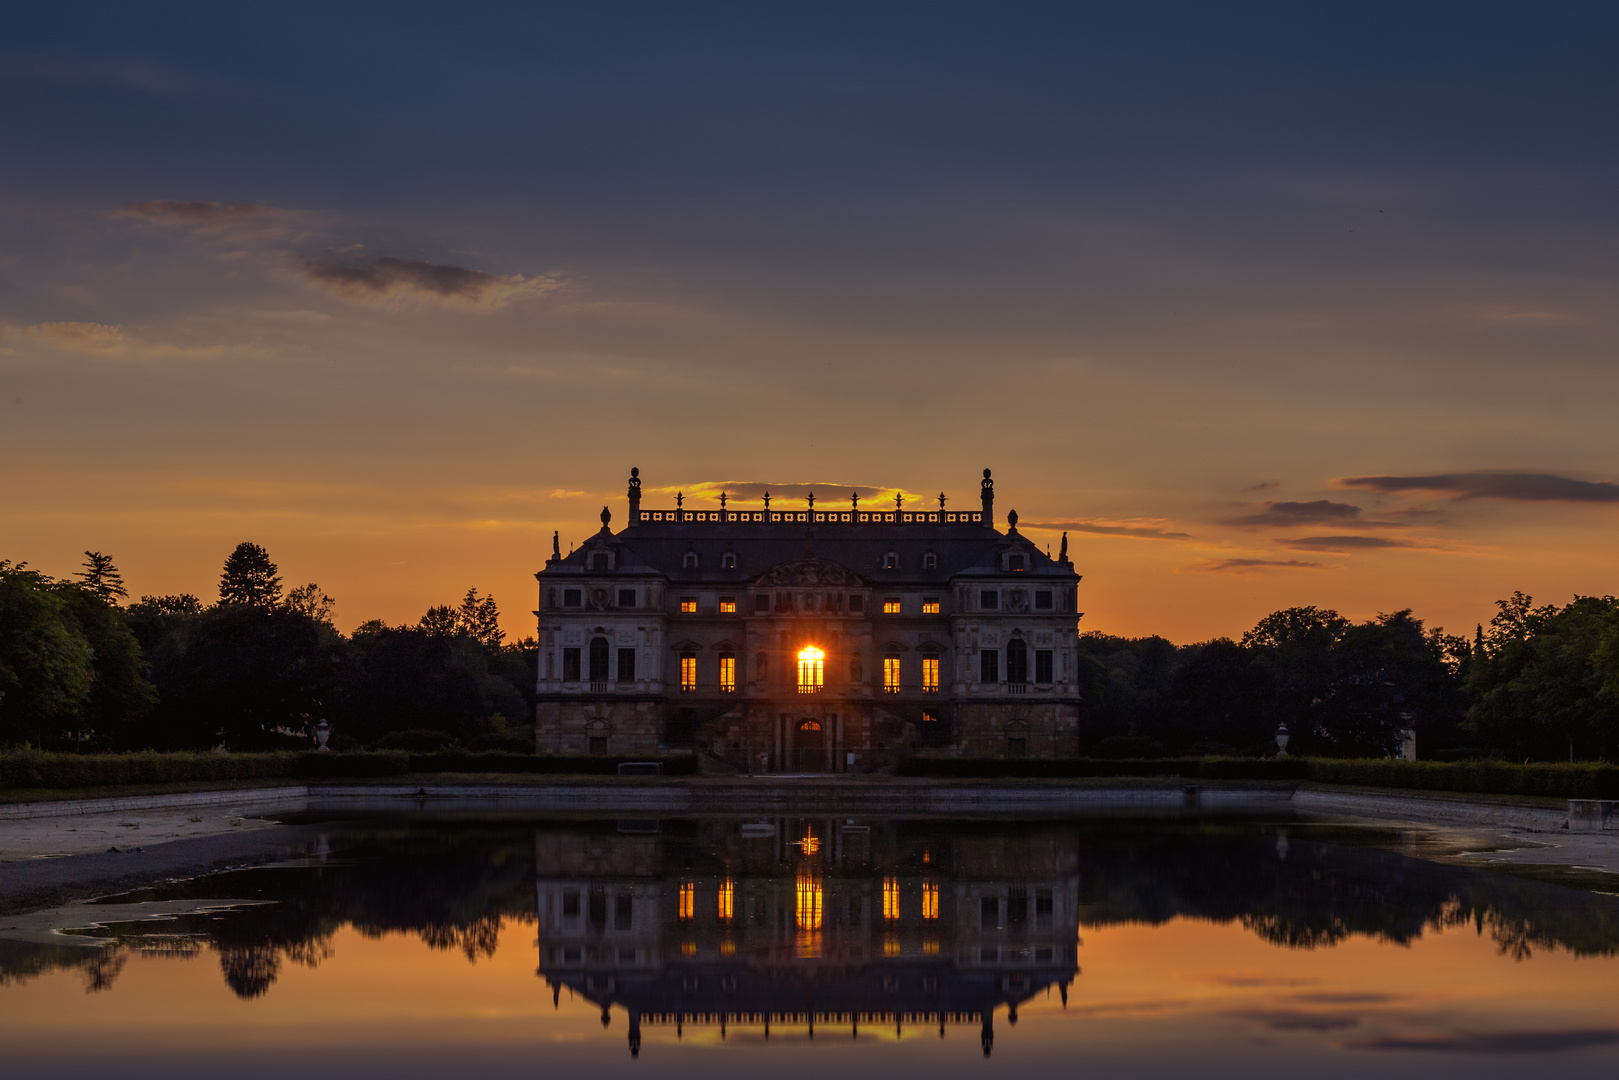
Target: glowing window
(890,944)
(688,605)
(930,674)
(930,947)
(688,899)
(811,670)
(890,674)
(688,948)
(727,674)
(727,948)
(727,897)
(688,673)
(809,903)
(727,605)
(890,897)
(930,606)
(891,606)
(930,900)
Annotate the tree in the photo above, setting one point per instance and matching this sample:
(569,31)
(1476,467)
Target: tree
(480,619)
(179,604)
(440,621)
(102,578)
(46,662)
(250,578)
(311,601)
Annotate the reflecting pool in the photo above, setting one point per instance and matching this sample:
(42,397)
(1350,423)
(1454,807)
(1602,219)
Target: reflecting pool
(427,946)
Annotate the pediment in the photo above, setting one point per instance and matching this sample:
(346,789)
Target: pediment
(815,573)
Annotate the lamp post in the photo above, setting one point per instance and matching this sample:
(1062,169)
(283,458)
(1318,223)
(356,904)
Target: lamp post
(1281,740)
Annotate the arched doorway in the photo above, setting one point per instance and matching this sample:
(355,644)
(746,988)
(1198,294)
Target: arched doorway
(809,747)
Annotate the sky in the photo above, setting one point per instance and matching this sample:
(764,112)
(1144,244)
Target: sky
(1263,304)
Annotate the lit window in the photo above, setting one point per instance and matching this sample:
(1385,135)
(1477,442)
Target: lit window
(727,898)
(930,606)
(688,899)
(930,674)
(811,670)
(688,673)
(727,605)
(688,605)
(727,674)
(930,900)
(890,944)
(890,674)
(809,903)
(891,606)
(890,897)
(928,718)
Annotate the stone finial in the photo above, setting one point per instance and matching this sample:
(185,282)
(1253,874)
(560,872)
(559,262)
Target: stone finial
(854,500)
(767,500)
(941,502)
(680,499)
(722,500)
(812,500)
(607,515)
(1011,519)
(898,499)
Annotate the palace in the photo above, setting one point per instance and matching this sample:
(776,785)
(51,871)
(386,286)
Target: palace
(813,639)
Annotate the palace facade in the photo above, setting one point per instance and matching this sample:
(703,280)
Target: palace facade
(808,639)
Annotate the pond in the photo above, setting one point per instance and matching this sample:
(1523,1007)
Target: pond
(416,945)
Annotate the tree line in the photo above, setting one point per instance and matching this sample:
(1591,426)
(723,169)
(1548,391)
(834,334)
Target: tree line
(1537,684)
(81,668)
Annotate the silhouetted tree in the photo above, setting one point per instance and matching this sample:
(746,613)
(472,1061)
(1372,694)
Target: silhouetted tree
(310,600)
(102,578)
(250,578)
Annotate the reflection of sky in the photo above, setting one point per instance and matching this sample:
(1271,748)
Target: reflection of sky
(1152,1001)
(1171,271)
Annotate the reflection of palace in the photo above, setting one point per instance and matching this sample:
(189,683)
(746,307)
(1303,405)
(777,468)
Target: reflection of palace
(807,922)
(821,639)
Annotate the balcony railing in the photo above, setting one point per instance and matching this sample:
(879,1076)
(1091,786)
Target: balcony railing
(930,689)
(598,687)
(1017,688)
(806,688)
(815,517)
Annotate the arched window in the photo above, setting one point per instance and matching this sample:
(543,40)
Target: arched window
(1017,661)
(598,659)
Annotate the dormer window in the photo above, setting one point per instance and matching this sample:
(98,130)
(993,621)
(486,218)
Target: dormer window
(1016,563)
(930,561)
(728,561)
(600,560)
(689,561)
(891,561)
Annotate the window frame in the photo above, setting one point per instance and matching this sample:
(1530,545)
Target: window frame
(893,672)
(572,664)
(1044,600)
(623,675)
(930,605)
(1044,667)
(727,605)
(573,598)
(688,673)
(893,605)
(930,673)
(989,667)
(989,599)
(727,673)
(622,593)
(688,605)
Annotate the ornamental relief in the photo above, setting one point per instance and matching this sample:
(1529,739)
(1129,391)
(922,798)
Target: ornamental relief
(810,573)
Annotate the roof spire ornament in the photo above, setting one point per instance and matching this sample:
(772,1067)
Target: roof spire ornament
(812,500)
(722,500)
(556,544)
(680,499)
(767,500)
(607,515)
(898,498)
(1062,553)
(854,500)
(941,502)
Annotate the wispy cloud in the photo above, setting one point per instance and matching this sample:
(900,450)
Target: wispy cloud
(1343,543)
(1109,528)
(364,278)
(127,73)
(1489,484)
(1496,1042)
(89,337)
(1239,566)
(1299,1019)
(828,495)
(1320,511)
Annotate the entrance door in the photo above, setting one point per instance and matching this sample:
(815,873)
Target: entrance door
(809,747)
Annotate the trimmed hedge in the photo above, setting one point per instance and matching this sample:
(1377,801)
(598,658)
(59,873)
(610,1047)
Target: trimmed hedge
(35,769)
(1561,780)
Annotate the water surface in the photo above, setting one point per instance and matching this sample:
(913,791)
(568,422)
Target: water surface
(422,946)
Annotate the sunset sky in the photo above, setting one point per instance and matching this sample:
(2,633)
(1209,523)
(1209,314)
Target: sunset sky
(1263,304)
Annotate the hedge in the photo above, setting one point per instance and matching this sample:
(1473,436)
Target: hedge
(34,769)
(1577,780)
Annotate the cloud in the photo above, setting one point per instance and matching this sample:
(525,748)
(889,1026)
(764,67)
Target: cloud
(1299,1020)
(382,279)
(1252,565)
(1343,543)
(1264,485)
(87,337)
(1490,484)
(563,493)
(826,495)
(1303,513)
(128,74)
(1102,528)
(1502,1042)
(192,212)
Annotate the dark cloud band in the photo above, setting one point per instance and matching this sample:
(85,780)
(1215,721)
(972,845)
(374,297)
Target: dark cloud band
(1145,532)
(1343,543)
(1521,487)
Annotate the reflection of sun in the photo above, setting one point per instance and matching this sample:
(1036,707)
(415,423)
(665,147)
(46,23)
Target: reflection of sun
(810,844)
